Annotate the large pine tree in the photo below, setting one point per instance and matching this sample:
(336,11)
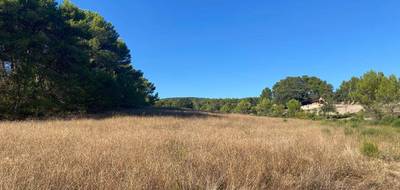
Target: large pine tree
(56,59)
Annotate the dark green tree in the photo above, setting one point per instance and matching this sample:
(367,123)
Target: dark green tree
(303,89)
(388,94)
(266,94)
(43,54)
(56,59)
(110,63)
(377,93)
(366,92)
(343,94)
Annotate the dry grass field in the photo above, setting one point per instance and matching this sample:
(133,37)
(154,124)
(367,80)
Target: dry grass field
(195,152)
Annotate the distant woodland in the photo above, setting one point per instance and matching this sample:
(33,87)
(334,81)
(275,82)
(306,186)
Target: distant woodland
(377,93)
(60,59)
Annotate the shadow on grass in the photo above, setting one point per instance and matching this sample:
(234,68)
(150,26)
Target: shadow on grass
(165,112)
(142,112)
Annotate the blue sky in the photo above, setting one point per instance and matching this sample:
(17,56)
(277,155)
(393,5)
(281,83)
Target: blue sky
(235,48)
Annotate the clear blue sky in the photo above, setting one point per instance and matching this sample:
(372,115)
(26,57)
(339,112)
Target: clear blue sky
(235,48)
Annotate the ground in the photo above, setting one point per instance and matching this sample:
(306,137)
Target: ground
(195,151)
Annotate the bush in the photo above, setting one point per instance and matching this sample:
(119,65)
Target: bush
(244,106)
(396,123)
(264,107)
(369,149)
(387,120)
(293,106)
(278,110)
(360,116)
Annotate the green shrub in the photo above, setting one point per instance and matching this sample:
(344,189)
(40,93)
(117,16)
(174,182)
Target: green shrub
(356,120)
(396,123)
(360,116)
(278,110)
(369,149)
(387,120)
(293,106)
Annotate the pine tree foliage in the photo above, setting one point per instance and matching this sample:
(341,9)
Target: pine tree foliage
(58,59)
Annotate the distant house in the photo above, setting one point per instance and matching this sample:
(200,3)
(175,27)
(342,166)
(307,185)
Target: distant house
(316,106)
(348,108)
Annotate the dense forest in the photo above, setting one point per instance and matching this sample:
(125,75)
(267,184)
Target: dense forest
(57,59)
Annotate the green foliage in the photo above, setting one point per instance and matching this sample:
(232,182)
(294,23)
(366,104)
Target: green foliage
(369,149)
(227,108)
(244,106)
(396,123)
(293,107)
(367,88)
(388,94)
(376,92)
(178,103)
(209,108)
(303,89)
(343,94)
(266,94)
(264,107)
(387,120)
(354,124)
(205,104)
(278,110)
(60,59)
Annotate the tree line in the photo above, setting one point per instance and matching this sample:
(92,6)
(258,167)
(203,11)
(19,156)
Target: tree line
(285,98)
(61,59)
(377,93)
(58,59)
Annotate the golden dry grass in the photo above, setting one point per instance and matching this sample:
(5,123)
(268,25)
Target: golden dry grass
(224,152)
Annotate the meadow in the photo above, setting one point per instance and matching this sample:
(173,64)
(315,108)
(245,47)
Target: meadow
(207,151)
